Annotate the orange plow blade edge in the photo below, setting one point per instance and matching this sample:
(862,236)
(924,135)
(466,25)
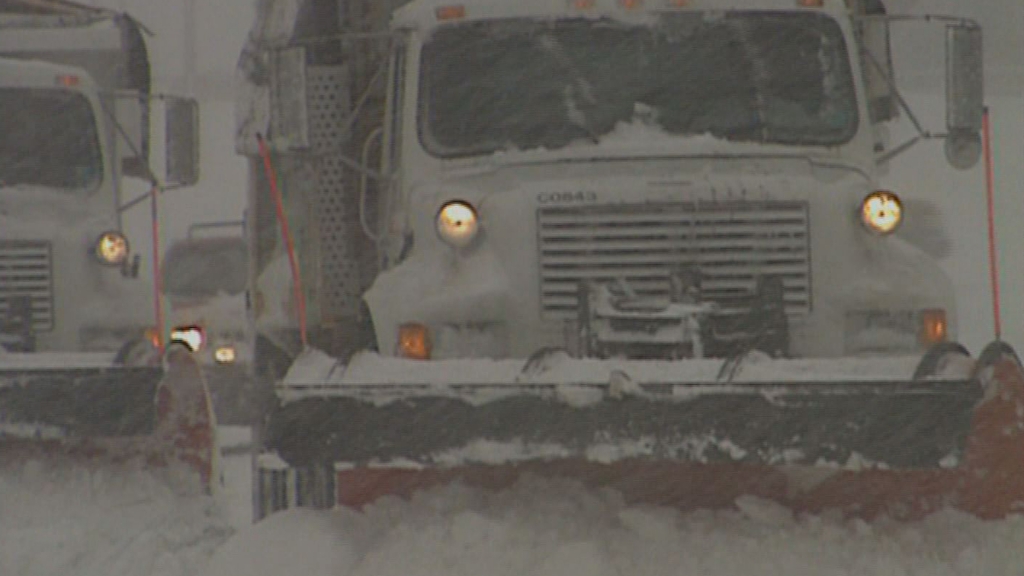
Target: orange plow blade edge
(158,417)
(988,480)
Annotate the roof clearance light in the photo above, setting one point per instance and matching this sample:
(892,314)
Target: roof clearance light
(677,3)
(631,4)
(810,3)
(582,4)
(68,80)
(451,12)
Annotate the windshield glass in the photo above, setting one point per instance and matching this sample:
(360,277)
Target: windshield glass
(743,76)
(48,138)
(205,268)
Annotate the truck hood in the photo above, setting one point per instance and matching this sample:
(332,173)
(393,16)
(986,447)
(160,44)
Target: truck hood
(626,179)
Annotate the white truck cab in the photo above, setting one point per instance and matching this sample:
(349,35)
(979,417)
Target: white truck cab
(533,152)
(75,120)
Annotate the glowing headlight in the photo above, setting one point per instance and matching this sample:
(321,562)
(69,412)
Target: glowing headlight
(112,248)
(457,223)
(191,336)
(225,355)
(881,212)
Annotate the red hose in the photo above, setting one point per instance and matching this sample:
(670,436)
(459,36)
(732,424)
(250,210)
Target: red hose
(282,220)
(154,194)
(993,260)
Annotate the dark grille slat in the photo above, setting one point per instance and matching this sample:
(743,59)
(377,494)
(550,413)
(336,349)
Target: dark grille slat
(25,270)
(731,244)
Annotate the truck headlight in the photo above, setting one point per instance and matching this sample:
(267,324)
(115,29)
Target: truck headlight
(881,212)
(112,248)
(225,354)
(457,223)
(191,337)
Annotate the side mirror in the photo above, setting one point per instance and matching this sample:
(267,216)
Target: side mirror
(181,141)
(879,77)
(965,100)
(131,112)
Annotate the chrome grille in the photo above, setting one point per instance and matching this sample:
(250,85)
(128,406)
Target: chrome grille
(25,270)
(731,244)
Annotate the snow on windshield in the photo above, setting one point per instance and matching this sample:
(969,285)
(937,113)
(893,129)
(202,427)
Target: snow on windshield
(48,138)
(500,85)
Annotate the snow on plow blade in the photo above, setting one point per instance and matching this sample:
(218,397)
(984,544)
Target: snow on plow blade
(862,445)
(83,407)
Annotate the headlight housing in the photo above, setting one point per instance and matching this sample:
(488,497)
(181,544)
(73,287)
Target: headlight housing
(192,337)
(881,212)
(458,223)
(112,248)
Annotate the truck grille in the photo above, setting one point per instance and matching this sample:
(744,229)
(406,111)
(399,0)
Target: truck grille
(25,271)
(731,244)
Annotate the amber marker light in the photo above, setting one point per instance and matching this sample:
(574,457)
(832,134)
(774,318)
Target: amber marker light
(225,355)
(152,335)
(934,328)
(414,341)
(450,12)
(68,80)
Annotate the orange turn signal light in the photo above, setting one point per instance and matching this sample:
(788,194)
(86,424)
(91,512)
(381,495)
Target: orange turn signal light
(934,328)
(631,4)
(152,335)
(414,341)
(582,4)
(450,12)
(68,80)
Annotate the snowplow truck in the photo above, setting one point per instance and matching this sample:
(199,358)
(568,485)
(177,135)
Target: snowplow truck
(640,244)
(81,372)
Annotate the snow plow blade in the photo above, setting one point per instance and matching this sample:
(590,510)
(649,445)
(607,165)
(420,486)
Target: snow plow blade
(942,438)
(99,412)
(887,424)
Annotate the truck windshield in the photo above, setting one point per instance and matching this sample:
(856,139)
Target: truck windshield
(205,268)
(48,138)
(744,76)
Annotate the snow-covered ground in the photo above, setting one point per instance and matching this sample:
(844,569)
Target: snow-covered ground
(64,519)
(543,528)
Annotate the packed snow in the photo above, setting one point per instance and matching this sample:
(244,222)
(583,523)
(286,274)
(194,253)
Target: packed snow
(544,528)
(65,518)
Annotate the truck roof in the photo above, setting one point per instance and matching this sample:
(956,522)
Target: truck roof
(40,74)
(425,14)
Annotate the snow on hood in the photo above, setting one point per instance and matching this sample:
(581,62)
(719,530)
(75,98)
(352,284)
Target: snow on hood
(559,528)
